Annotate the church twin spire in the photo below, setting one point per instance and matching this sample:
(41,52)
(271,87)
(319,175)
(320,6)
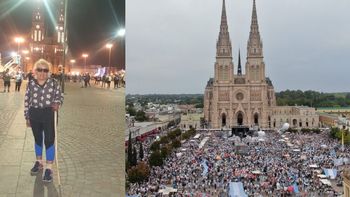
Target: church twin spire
(223,46)
(254,47)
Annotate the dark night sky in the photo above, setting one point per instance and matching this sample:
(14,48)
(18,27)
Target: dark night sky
(91,24)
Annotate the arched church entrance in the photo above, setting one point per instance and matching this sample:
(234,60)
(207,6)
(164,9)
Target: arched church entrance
(240,118)
(223,120)
(256,119)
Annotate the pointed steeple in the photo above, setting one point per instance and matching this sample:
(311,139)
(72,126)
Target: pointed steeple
(223,64)
(223,46)
(38,24)
(239,63)
(60,37)
(254,48)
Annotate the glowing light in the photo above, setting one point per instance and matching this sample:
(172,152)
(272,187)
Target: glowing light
(85,55)
(121,32)
(109,45)
(72,61)
(25,52)
(19,39)
(13,54)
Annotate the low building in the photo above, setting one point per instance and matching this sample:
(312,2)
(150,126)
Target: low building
(190,120)
(296,116)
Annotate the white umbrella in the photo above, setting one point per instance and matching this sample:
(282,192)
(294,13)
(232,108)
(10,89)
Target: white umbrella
(256,172)
(313,166)
(322,176)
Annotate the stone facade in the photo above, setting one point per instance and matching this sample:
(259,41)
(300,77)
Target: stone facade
(346,182)
(247,98)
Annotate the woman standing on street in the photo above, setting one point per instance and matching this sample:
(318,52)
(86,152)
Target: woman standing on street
(43,97)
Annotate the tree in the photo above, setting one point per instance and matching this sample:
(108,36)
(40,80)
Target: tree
(141,152)
(134,157)
(130,110)
(164,140)
(176,144)
(138,173)
(164,151)
(156,159)
(155,146)
(140,116)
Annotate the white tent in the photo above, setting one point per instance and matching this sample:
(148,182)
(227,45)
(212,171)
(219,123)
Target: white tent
(256,172)
(313,166)
(236,189)
(322,176)
(167,190)
(332,173)
(326,182)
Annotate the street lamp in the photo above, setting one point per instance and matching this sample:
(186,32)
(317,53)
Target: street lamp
(72,61)
(85,56)
(25,52)
(120,33)
(109,46)
(19,40)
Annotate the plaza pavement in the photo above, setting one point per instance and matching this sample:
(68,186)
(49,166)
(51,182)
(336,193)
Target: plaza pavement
(90,145)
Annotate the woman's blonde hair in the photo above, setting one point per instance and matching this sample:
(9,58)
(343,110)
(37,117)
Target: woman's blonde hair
(42,62)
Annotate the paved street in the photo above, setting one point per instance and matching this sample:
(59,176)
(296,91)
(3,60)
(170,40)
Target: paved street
(91,145)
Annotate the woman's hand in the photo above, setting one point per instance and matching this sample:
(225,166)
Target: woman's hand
(55,106)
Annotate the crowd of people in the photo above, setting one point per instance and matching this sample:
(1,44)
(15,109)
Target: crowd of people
(18,77)
(270,166)
(105,81)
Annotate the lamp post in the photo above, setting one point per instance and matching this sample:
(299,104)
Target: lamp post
(64,45)
(25,52)
(19,40)
(85,56)
(109,46)
(120,33)
(72,61)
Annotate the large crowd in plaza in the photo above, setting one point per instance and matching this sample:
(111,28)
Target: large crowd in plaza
(267,167)
(116,80)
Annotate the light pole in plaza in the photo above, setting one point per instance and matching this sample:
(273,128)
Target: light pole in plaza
(85,56)
(19,40)
(120,33)
(25,52)
(72,62)
(109,46)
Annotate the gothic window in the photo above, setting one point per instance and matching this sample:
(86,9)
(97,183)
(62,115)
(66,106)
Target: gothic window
(35,35)
(62,37)
(59,37)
